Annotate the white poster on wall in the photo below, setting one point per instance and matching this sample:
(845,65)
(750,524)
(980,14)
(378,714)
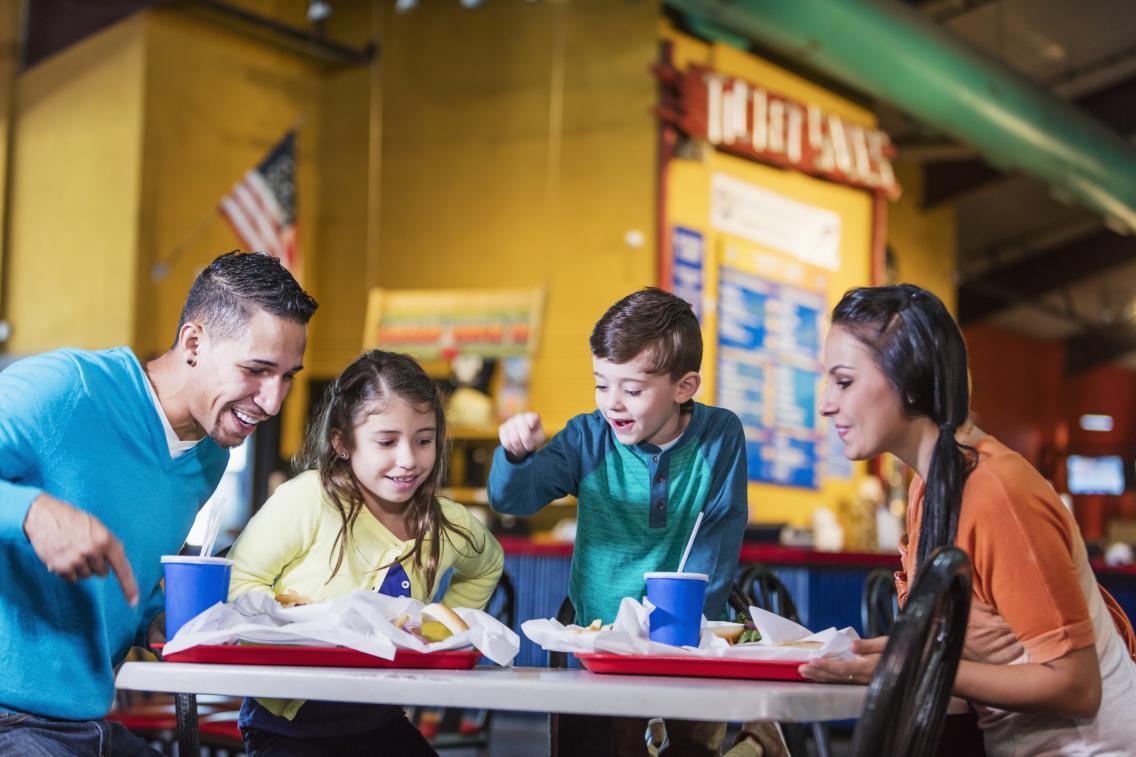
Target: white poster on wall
(808,233)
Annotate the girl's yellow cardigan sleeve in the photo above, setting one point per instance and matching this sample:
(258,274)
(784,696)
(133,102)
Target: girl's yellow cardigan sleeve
(476,573)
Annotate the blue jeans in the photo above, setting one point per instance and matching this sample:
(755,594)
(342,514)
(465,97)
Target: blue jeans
(34,736)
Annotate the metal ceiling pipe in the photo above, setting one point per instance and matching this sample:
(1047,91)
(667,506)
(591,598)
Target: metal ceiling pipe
(891,52)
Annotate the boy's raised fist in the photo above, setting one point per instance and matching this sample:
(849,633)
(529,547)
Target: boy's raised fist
(521,435)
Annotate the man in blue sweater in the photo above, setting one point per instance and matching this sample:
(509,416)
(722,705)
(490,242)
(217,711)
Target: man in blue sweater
(104,462)
(642,466)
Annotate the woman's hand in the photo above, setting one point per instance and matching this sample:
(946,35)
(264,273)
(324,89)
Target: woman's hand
(858,669)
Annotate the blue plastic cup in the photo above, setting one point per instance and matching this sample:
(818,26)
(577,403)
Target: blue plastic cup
(678,600)
(193,585)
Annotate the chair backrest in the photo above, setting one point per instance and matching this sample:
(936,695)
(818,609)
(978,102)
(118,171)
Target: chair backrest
(909,693)
(880,603)
(566,615)
(759,586)
(503,604)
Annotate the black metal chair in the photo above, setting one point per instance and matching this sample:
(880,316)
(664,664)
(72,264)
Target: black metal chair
(880,603)
(909,693)
(758,586)
(566,615)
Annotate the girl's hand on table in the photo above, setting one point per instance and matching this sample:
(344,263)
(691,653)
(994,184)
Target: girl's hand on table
(858,669)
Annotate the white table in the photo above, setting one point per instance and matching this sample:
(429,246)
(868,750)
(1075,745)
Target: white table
(518,689)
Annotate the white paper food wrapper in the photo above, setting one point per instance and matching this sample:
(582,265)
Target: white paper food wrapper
(780,638)
(362,621)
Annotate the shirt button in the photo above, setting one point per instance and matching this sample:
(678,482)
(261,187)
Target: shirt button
(659,505)
(406,584)
(655,459)
(660,478)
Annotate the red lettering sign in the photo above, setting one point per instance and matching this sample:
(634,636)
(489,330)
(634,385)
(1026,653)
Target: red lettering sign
(749,121)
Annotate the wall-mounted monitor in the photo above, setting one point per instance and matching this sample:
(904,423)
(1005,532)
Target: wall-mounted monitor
(1095,475)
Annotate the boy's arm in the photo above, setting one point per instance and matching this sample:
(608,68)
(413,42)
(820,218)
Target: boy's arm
(719,541)
(551,472)
(476,573)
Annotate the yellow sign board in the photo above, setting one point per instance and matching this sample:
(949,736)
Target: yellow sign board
(433,324)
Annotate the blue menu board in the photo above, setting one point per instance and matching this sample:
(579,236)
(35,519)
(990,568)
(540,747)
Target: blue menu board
(688,249)
(769,369)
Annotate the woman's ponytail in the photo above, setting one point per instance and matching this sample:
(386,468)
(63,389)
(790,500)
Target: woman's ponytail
(942,494)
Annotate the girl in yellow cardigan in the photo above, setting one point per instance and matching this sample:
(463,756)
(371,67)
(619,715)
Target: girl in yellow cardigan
(365,515)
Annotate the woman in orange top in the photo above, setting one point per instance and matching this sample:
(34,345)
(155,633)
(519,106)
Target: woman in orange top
(1048,662)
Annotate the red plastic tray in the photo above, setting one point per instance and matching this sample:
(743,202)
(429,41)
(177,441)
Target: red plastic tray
(700,667)
(324,657)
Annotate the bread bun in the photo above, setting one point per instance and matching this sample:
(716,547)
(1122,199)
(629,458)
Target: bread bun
(438,612)
(594,627)
(292,598)
(731,633)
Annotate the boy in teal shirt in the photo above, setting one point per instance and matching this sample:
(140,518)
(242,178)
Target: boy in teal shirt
(642,466)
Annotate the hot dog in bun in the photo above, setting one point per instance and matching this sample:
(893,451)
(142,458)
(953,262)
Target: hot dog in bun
(438,613)
(436,623)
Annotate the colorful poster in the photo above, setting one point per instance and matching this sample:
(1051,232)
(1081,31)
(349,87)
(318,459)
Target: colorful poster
(688,252)
(444,323)
(805,232)
(769,368)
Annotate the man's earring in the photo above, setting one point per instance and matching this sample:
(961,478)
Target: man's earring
(190,362)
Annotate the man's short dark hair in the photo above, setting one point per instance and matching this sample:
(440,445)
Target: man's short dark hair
(652,320)
(226,294)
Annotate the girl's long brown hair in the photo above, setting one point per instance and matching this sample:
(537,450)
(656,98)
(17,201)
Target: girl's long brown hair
(364,388)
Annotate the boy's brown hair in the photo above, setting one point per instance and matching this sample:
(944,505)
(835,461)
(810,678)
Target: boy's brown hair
(653,320)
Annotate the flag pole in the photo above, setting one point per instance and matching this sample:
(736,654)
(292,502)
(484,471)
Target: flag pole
(161,268)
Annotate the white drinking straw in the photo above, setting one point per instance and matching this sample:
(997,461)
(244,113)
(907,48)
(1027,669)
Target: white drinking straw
(212,525)
(689,544)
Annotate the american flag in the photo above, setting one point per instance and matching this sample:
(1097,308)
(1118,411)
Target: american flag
(262,206)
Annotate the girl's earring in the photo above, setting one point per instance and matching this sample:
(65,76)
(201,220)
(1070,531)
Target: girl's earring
(343,455)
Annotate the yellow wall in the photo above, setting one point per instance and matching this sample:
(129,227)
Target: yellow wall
(216,103)
(513,155)
(345,268)
(688,205)
(518,149)
(125,145)
(75,184)
(10,28)
(924,241)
